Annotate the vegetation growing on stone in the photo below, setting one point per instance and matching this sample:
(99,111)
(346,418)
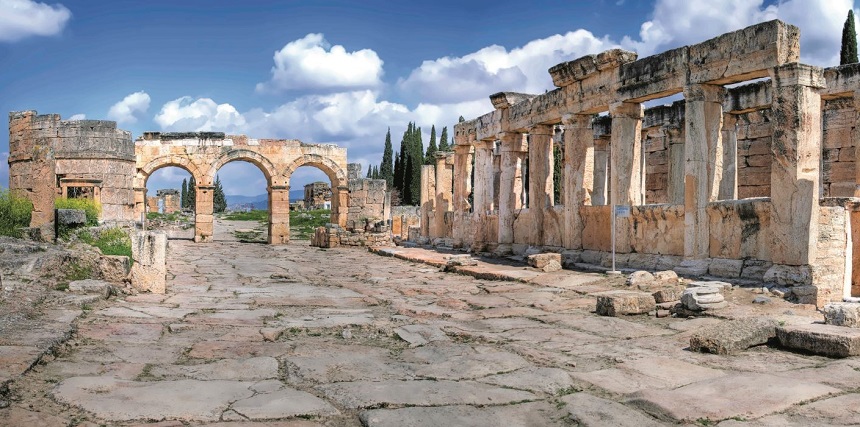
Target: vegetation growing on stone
(90,207)
(111,241)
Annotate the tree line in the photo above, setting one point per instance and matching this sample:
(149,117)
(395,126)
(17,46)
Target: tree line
(188,196)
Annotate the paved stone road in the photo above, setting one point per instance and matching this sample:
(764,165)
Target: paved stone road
(297,336)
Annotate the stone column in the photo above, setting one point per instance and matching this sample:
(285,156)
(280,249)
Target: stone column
(628,185)
(579,174)
(540,178)
(600,194)
(139,202)
(428,197)
(795,172)
(444,191)
(856,136)
(203,227)
(703,166)
(339,205)
(462,177)
(729,183)
(482,202)
(279,214)
(675,143)
(513,151)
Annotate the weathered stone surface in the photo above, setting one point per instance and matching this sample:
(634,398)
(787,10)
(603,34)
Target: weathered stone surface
(826,340)
(702,298)
(842,314)
(369,394)
(149,250)
(640,279)
(283,403)
(418,335)
(456,260)
(521,414)
(733,335)
(666,277)
(587,410)
(71,216)
(119,400)
(114,268)
(614,303)
(546,262)
(762,394)
(668,294)
(91,286)
(549,381)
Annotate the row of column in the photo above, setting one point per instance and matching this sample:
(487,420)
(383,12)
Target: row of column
(709,168)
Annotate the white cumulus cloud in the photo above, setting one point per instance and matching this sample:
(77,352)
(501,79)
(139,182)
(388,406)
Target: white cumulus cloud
(494,68)
(312,63)
(20,19)
(79,116)
(202,114)
(130,108)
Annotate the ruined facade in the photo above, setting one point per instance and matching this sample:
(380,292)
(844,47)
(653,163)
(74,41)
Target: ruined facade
(50,158)
(734,182)
(317,196)
(165,201)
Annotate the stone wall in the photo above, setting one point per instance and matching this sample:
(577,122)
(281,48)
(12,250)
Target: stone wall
(317,195)
(333,236)
(50,158)
(367,200)
(838,171)
(403,217)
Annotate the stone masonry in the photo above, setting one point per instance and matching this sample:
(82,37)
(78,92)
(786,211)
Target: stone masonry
(730,181)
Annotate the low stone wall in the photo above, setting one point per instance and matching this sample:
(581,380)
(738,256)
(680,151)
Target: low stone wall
(149,272)
(332,236)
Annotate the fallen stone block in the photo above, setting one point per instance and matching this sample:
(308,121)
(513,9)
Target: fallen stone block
(271,334)
(693,267)
(666,277)
(842,314)
(71,216)
(547,262)
(826,340)
(733,336)
(91,286)
(640,279)
(668,294)
(701,298)
(614,303)
(114,268)
(721,267)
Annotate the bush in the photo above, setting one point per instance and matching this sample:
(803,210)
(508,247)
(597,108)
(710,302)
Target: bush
(15,213)
(91,207)
(258,215)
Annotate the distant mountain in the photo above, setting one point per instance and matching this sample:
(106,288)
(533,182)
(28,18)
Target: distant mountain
(260,201)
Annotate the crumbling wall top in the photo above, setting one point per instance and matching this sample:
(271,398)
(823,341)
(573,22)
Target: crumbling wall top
(567,73)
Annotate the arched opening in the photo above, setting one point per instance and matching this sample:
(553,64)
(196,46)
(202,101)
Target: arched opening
(169,201)
(312,196)
(241,205)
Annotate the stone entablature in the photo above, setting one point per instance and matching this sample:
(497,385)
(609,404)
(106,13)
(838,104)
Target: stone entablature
(679,168)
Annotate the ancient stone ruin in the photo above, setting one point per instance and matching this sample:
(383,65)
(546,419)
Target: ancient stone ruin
(165,201)
(317,195)
(751,176)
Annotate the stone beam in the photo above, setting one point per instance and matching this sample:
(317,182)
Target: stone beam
(841,81)
(749,97)
(504,100)
(570,72)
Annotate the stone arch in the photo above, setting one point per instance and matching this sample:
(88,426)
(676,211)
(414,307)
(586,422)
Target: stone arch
(262,162)
(157,163)
(335,173)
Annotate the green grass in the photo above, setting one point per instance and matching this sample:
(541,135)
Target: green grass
(303,223)
(254,215)
(90,207)
(15,212)
(111,241)
(173,216)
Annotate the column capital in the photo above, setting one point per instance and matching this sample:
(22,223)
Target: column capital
(794,74)
(581,121)
(704,92)
(514,141)
(485,144)
(632,110)
(462,149)
(540,129)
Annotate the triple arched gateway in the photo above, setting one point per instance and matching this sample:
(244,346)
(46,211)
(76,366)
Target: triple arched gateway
(202,154)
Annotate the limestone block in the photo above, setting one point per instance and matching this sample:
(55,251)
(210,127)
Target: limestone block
(114,268)
(546,262)
(640,279)
(788,275)
(455,260)
(666,277)
(91,286)
(668,294)
(733,336)
(721,267)
(71,216)
(693,267)
(614,303)
(826,340)
(842,314)
(149,250)
(702,298)
(755,269)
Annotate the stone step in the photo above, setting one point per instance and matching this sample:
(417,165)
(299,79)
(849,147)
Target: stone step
(825,340)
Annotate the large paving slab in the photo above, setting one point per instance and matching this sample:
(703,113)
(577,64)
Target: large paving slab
(524,414)
(372,394)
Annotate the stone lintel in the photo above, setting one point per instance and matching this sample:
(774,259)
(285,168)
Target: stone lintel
(749,97)
(576,121)
(705,93)
(541,129)
(795,74)
(630,110)
(465,139)
(567,73)
(504,100)
(513,142)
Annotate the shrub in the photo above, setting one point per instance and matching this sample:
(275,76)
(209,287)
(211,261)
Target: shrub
(91,207)
(111,241)
(15,213)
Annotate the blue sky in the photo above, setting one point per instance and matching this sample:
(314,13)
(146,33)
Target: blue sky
(334,71)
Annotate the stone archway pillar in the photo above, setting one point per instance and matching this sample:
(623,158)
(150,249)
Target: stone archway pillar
(203,227)
(139,202)
(340,205)
(279,214)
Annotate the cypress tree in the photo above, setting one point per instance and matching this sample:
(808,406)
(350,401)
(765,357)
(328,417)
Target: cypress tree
(848,53)
(192,194)
(219,201)
(386,170)
(369,171)
(429,159)
(417,162)
(397,178)
(443,140)
(405,150)
(183,195)
(375,174)
(407,182)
